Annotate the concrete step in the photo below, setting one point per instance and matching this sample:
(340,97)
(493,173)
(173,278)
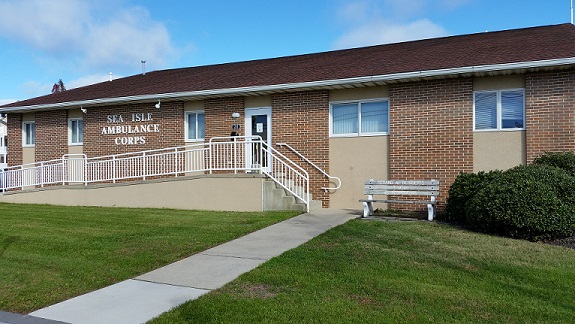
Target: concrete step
(278,198)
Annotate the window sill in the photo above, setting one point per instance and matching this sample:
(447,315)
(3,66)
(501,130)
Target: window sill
(358,135)
(499,130)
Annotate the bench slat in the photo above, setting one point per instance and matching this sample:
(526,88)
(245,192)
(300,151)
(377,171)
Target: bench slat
(403,182)
(401,187)
(428,188)
(401,193)
(399,201)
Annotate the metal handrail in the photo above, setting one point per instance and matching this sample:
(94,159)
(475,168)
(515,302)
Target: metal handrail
(315,166)
(219,154)
(293,177)
(298,185)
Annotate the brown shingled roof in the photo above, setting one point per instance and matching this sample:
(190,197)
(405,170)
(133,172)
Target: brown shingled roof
(489,48)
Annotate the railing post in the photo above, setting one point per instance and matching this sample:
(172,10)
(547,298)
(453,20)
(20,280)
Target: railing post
(177,162)
(113,169)
(41,174)
(145,165)
(235,158)
(64,169)
(210,167)
(85,170)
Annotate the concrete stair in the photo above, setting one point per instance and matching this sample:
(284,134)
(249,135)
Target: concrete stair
(277,198)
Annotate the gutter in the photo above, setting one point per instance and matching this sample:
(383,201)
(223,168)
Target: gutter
(386,78)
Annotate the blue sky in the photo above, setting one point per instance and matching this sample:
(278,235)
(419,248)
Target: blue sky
(81,41)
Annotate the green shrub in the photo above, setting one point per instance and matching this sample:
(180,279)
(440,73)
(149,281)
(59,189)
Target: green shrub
(461,191)
(563,160)
(532,202)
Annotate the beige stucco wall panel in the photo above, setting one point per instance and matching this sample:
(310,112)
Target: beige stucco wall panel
(258,101)
(28,155)
(204,193)
(76,149)
(498,150)
(354,160)
(28,117)
(75,113)
(359,93)
(499,82)
(194,105)
(29,152)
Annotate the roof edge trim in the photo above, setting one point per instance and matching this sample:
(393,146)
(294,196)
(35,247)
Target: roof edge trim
(300,85)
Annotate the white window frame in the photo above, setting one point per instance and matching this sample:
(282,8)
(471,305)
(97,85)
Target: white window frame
(499,127)
(71,141)
(359,103)
(186,118)
(25,125)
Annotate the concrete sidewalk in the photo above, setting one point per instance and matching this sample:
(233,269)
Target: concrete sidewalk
(142,298)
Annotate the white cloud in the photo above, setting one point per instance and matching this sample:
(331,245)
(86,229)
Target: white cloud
(88,80)
(87,34)
(129,36)
(382,32)
(7,101)
(50,26)
(370,22)
(33,88)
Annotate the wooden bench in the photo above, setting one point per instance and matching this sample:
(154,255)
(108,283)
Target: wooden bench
(400,188)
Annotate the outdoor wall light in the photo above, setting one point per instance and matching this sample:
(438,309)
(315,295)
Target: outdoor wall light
(84,110)
(158,105)
(235,115)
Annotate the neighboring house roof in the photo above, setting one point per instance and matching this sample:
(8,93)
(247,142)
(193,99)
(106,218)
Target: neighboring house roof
(475,54)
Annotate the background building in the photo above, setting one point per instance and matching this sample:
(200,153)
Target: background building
(3,141)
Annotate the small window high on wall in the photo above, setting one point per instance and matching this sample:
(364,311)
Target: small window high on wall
(195,126)
(499,110)
(75,131)
(359,118)
(28,133)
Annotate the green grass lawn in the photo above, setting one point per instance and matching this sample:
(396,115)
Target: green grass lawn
(52,253)
(373,272)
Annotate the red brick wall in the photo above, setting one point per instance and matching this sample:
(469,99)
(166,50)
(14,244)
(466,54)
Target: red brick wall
(550,112)
(14,139)
(301,119)
(431,131)
(169,120)
(219,119)
(51,134)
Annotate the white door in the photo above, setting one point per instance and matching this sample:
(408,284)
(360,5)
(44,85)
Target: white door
(258,122)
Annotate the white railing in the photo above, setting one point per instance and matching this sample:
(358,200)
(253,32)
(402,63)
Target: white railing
(223,154)
(315,166)
(252,154)
(287,174)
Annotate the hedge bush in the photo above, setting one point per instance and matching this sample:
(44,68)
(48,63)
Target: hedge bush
(461,191)
(535,202)
(563,160)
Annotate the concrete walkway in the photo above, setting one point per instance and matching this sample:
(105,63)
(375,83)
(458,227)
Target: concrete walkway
(142,298)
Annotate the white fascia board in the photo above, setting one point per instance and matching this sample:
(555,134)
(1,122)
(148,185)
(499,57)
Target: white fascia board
(301,85)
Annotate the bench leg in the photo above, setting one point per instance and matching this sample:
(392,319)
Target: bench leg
(431,209)
(367,208)
(430,212)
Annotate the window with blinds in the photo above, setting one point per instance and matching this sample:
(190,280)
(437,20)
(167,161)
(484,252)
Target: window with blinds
(359,118)
(499,110)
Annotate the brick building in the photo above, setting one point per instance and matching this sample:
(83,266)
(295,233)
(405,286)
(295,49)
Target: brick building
(3,141)
(419,110)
